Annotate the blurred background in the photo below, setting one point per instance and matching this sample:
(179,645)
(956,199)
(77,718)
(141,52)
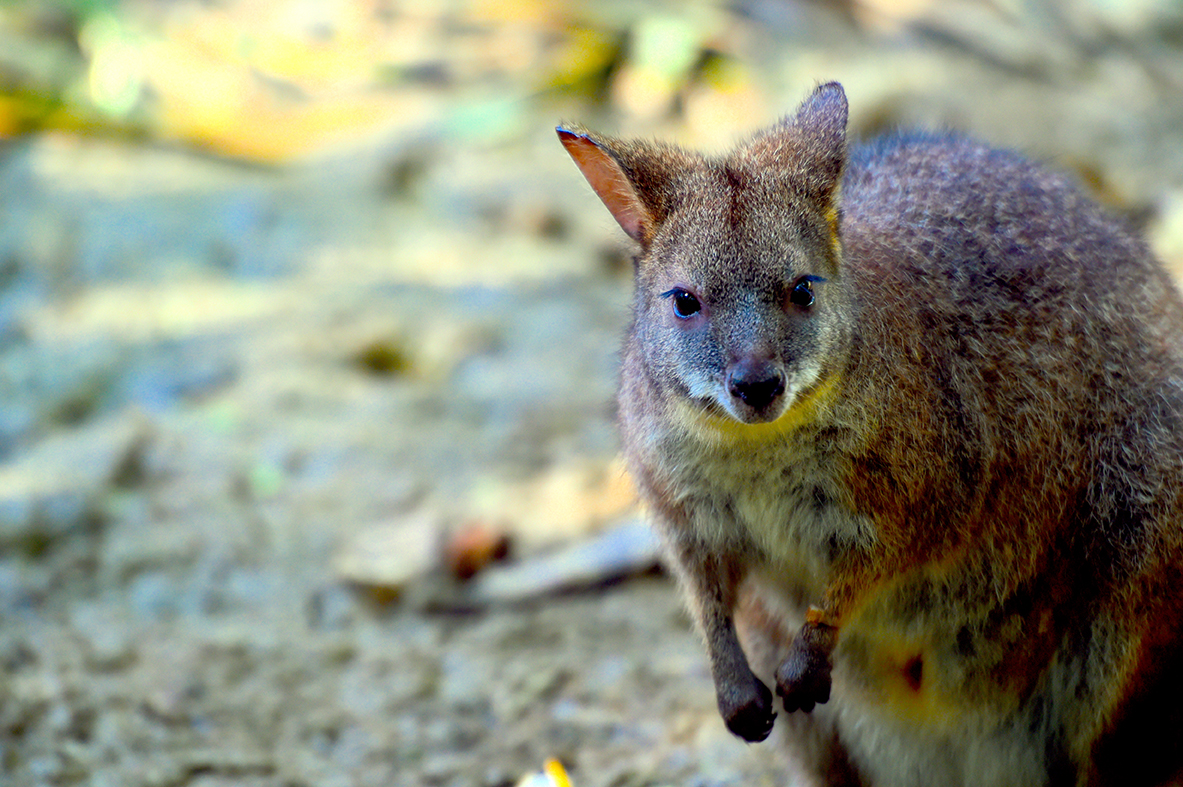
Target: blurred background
(308,335)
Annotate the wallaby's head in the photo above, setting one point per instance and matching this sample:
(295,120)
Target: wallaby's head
(741,308)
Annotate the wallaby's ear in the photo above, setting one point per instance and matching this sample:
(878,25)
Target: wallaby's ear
(637,181)
(811,145)
(821,122)
(608,179)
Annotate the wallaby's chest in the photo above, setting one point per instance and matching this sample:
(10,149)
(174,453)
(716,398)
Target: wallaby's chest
(780,497)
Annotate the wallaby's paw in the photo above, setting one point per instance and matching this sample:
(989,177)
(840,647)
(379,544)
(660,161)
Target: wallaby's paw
(802,688)
(747,710)
(803,680)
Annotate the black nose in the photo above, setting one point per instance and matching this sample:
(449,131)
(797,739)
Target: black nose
(755,383)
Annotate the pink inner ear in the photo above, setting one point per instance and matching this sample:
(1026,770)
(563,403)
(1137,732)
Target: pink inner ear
(609,182)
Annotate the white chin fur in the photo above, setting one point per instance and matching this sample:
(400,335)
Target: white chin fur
(798,382)
(747,415)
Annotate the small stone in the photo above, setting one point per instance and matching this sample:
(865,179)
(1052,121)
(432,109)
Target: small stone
(563,502)
(382,357)
(55,487)
(386,557)
(628,549)
(474,546)
(111,639)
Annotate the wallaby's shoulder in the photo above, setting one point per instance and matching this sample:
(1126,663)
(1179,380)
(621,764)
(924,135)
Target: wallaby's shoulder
(955,182)
(942,157)
(991,220)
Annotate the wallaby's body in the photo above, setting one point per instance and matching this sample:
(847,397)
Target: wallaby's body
(913,415)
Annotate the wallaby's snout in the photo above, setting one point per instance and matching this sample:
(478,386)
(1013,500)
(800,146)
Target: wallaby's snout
(757,383)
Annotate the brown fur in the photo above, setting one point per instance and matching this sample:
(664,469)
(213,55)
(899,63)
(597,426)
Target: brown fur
(922,405)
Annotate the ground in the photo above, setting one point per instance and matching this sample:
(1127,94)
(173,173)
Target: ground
(222,382)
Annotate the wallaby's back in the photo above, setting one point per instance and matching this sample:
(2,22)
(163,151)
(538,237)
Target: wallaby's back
(1036,346)
(1045,338)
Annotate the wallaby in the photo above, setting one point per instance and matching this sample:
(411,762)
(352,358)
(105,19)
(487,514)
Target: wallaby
(910,420)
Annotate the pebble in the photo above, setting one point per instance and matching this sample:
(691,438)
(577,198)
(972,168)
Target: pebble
(55,488)
(628,549)
(473,547)
(388,556)
(111,640)
(565,501)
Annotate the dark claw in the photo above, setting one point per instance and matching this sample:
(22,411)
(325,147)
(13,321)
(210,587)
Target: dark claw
(803,680)
(803,692)
(747,710)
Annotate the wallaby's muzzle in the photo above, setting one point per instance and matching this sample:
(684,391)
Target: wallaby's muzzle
(757,384)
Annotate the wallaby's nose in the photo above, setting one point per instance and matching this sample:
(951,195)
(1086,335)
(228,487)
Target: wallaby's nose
(755,383)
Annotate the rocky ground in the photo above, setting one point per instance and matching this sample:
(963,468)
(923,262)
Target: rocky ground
(242,406)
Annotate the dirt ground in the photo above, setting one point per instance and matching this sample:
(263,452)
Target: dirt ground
(220,384)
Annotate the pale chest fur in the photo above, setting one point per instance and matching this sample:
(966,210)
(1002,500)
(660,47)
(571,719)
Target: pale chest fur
(780,500)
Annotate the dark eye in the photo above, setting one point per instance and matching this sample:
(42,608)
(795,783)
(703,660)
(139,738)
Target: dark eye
(802,293)
(685,304)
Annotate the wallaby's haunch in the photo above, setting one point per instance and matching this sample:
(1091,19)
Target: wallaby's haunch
(910,419)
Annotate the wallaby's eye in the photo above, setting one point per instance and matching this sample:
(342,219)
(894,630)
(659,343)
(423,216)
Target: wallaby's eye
(685,304)
(802,293)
